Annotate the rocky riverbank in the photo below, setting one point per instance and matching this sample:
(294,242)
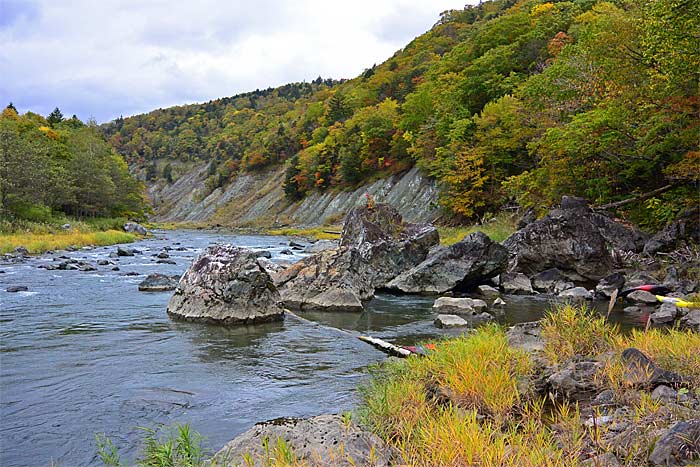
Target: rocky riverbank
(574,254)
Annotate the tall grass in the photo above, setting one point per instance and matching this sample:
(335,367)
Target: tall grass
(318,233)
(570,330)
(39,243)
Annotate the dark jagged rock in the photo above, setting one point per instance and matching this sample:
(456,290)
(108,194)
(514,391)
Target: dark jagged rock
(643,372)
(678,445)
(388,245)
(573,239)
(157,283)
(457,267)
(685,228)
(528,217)
(515,283)
(323,441)
(122,251)
(376,246)
(226,285)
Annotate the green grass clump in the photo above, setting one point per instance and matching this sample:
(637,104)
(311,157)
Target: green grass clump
(570,330)
(490,418)
(498,229)
(317,233)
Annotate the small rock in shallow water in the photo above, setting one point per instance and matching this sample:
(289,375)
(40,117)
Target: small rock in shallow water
(162,255)
(516,283)
(450,321)
(125,251)
(665,314)
(467,306)
(103,262)
(286,252)
(499,302)
(642,296)
(16,288)
(488,292)
(157,283)
(577,293)
(165,261)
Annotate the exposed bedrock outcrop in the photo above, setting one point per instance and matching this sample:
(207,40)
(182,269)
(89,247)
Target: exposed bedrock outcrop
(572,238)
(458,266)
(226,285)
(376,245)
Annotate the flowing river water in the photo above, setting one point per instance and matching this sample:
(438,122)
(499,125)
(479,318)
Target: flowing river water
(85,352)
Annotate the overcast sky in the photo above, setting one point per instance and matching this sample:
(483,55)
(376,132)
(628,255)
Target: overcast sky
(105,58)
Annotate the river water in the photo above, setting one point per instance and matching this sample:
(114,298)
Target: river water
(85,352)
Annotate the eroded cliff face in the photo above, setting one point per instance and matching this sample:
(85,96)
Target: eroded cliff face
(257,199)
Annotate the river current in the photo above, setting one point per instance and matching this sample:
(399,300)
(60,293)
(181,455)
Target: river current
(85,352)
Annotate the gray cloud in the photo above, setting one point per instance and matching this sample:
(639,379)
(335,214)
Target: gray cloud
(120,57)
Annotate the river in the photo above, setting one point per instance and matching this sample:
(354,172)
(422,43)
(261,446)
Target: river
(86,352)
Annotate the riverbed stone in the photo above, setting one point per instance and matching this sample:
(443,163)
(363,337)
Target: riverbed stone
(123,251)
(516,283)
(459,306)
(16,288)
(576,293)
(544,281)
(158,283)
(609,284)
(642,296)
(488,292)
(691,320)
(226,285)
(322,441)
(474,259)
(450,321)
(376,245)
(665,314)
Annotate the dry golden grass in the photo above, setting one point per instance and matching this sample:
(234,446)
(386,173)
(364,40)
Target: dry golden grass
(39,243)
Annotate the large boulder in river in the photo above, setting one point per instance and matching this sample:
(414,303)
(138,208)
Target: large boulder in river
(456,267)
(226,285)
(572,239)
(375,246)
(325,440)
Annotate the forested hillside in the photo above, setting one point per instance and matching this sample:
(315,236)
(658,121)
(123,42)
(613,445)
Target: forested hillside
(508,101)
(56,165)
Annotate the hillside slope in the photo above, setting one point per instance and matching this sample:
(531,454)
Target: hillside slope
(509,100)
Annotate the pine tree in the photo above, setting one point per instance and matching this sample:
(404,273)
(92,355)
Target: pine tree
(55,117)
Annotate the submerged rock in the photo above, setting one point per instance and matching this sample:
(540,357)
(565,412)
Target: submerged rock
(451,321)
(16,288)
(458,266)
(123,251)
(158,283)
(226,285)
(322,441)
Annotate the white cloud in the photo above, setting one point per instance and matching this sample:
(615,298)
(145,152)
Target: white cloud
(115,57)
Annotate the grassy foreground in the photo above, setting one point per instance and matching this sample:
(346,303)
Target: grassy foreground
(38,237)
(473,402)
